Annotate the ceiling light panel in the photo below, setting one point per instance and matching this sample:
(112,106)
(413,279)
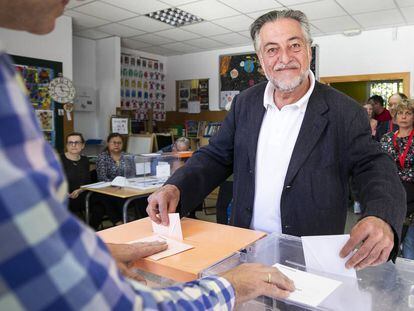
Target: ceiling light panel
(175,17)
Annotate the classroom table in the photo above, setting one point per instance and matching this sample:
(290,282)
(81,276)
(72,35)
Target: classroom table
(130,194)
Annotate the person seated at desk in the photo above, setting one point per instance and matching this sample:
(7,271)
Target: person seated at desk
(111,162)
(76,167)
(181,144)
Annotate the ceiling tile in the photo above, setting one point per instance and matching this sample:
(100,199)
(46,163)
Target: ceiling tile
(245,33)
(247,6)
(315,31)
(232,38)
(132,44)
(177,2)
(380,18)
(146,24)
(182,47)
(257,14)
(120,30)
(160,51)
(92,34)
(104,11)
(294,2)
(335,24)
(235,23)
(85,21)
(405,3)
(153,39)
(75,3)
(358,6)
(205,43)
(209,9)
(140,7)
(320,9)
(408,13)
(206,29)
(177,34)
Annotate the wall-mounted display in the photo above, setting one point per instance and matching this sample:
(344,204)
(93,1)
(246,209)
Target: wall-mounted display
(237,73)
(195,90)
(143,86)
(37,74)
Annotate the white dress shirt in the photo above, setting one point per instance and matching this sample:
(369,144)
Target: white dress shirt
(277,138)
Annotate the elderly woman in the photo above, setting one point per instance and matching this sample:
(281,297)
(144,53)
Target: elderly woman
(400,146)
(76,168)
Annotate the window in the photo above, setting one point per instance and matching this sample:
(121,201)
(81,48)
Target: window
(385,88)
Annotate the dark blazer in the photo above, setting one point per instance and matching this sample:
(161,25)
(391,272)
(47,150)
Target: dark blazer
(334,143)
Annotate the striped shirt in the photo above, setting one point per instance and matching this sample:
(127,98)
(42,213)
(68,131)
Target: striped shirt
(48,259)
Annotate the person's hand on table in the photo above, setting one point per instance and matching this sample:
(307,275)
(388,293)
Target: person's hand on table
(126,254)
(377,241)
(162,202)
(252,280)
(75,193)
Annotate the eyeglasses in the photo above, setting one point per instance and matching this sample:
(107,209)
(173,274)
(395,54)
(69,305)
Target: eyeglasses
(74,143)
(116,142)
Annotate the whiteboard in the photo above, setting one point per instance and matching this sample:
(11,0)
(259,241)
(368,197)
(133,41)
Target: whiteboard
(141,143)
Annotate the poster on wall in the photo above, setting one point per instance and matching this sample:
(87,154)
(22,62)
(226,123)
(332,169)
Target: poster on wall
(237,73)
(37,74)
(120,125)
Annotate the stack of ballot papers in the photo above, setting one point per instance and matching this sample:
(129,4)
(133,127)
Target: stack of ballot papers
(172,234)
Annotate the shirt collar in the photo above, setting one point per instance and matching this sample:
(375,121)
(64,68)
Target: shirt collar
(301,103)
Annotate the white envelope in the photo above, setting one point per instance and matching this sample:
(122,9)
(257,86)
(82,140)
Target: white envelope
(322,254)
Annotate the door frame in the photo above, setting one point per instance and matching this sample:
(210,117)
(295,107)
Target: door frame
(404,76)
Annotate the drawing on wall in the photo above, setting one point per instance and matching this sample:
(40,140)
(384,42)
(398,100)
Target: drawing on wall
(237,73)
(45,118)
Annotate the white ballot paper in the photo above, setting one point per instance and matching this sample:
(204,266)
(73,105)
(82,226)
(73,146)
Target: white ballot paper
(322,254)
(172,234)
(174,247)
(173,230)
(97,185)
(311,289)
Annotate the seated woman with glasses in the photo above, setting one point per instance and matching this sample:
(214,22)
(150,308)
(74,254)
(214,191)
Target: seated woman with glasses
(111,162)
(76,168)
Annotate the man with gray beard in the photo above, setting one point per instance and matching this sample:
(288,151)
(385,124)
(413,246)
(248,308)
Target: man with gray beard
(292,145)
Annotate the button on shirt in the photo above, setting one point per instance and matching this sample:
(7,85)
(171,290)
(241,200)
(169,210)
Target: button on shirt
(277,138)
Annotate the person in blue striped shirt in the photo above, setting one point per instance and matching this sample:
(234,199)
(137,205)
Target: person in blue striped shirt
(48,259)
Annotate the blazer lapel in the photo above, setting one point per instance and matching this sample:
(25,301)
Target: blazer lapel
(312,127)
(256,114)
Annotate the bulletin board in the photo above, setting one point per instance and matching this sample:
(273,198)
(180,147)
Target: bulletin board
(195,90)
(36,74)
(237,73)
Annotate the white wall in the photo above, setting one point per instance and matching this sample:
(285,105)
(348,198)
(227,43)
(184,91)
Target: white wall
(56,46)
(375,51)
(198,66)
(84,75)
(108,81)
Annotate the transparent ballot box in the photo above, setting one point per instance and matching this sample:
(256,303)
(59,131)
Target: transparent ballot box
(148,171)
(385,287)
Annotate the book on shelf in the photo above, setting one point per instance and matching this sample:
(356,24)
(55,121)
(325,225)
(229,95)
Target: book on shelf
(211,129)
(191,128)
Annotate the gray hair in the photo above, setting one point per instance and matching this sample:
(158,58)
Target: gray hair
(184,141)
(275,15)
